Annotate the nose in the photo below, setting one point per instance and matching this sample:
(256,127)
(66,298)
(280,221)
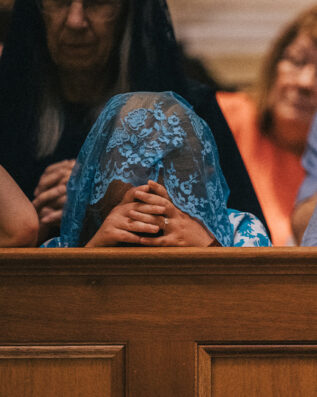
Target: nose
(76,18)
(307,77)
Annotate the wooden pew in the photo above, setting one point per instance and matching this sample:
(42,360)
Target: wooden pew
(146,322)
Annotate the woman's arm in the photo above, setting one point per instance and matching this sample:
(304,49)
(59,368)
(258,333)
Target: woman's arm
(18,219)
(301,216)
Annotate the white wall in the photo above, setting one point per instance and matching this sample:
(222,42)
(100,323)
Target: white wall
(231,36)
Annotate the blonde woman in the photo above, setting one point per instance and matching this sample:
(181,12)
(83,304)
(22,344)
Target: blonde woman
(271,131)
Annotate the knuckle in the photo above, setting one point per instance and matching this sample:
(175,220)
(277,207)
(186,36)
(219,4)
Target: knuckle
(60,173)
(41,183)
(48,169)
(128,226)
(62,201)
(120,235)
(61,189)
(169,205)
(35,202)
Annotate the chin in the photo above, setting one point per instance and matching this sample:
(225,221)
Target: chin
(77,65)
(296,115)
(75,59)
(296,146)
(303,118)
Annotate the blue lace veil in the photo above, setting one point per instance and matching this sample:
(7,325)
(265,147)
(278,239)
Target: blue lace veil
(144,136)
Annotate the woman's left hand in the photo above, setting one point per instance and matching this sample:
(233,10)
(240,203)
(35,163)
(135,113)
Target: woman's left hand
(180,229)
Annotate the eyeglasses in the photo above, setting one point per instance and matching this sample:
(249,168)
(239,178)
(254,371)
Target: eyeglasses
(106,9)
(297,61)
(296,65)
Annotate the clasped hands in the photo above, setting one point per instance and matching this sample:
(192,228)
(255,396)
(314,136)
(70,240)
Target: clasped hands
(143,210)
(148,209)
(50,196)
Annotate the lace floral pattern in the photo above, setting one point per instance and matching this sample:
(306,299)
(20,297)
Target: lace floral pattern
(145,136)
(248,230)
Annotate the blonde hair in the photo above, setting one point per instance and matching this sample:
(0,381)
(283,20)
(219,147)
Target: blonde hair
(305,23)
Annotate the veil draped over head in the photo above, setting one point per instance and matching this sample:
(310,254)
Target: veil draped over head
(144,136)
(154,64)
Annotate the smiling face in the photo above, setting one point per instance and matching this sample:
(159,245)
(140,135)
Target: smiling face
(80,34)
(293,97)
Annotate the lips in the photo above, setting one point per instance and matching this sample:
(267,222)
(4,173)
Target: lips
(301,102)
(77,45)
(77,49)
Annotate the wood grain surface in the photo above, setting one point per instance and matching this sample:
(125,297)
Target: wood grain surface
(184,319)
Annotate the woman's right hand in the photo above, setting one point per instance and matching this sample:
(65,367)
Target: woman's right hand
(50,196)
(120,227)
(50,193)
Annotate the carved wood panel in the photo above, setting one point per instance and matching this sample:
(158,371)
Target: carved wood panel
(62,371)
(257,371)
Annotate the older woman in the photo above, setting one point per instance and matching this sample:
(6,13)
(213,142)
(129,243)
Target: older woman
(272,133)
(62,61)
(156,143)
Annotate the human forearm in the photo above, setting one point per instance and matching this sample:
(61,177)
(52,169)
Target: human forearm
(18,218)
(301,216)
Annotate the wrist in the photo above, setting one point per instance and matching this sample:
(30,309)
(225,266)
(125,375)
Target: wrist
(99,240)
(214,243)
